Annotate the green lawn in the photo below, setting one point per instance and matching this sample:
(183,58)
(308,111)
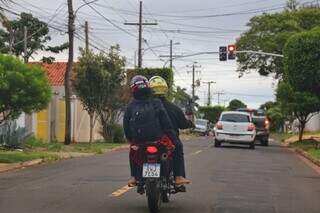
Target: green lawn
(14,156)
(36,149)
(281,136)
(309,147)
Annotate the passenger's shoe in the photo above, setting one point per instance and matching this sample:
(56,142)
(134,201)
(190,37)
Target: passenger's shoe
(132,182)
(181,180)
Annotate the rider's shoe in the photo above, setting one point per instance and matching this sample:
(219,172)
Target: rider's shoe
(132,182)
(181,180)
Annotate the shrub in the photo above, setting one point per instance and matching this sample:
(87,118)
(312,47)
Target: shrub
(33,142)
(118,134)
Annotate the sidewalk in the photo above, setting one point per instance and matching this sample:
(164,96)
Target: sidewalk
(4,167)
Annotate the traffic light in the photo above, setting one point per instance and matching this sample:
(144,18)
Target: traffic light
(222,53)
(231,52)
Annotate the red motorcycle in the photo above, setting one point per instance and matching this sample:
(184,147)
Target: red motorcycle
(157,179)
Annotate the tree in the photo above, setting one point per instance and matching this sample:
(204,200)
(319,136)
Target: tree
(276,117)
(302,105)
(302,61)
(299,92)
(268,105)
(211,113)
(88,84)
(292,5)
(112,101)
(236,104)
(181,97)
(37,37)
(23,88)
(269,33)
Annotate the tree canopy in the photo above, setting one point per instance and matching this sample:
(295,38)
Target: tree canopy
(236,104)
(302,61)
(269,33)
(23,88)
(37,37)
(211,113)
(99,83)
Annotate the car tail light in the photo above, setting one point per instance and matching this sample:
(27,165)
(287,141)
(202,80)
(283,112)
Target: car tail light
(219,125)
(266,123)
(152,149)
(251,127)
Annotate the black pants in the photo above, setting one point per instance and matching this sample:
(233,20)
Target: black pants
(178,163)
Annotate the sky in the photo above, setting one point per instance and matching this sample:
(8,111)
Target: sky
(198,26)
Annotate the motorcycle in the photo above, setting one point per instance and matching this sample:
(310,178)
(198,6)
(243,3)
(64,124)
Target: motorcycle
(157,179)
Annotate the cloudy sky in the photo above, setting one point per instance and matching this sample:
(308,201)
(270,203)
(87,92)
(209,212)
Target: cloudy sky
(199,26)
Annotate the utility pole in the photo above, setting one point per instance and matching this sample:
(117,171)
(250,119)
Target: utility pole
(140,24)
(86,30)
(67,81)
(209,91)
(25,44)
(171,55)
(219,94)
(194,66)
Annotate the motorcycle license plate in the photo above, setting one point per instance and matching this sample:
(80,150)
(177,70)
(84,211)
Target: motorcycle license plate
(151,170)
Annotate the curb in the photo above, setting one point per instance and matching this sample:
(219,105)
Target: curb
(5,167)
(307,156)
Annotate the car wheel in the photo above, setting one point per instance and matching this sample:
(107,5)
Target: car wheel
(252,145)
(217,143)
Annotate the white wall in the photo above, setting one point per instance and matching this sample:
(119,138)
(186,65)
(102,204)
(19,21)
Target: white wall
(314,123)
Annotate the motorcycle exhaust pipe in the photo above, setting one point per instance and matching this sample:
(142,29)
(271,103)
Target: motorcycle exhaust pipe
(164,156)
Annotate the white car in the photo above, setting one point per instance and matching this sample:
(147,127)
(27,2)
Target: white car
(235,127)
(201,126)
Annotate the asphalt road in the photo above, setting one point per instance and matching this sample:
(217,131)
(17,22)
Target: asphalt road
(225,180)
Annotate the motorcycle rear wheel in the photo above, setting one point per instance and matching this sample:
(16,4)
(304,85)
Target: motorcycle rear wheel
(165,197)
(154,196)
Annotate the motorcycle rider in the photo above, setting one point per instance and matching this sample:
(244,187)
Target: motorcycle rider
(145,120)
(160,90)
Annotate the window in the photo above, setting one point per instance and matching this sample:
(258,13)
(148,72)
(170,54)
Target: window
(236,118)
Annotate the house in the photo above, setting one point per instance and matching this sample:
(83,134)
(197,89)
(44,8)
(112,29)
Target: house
(49,124)
(314,123)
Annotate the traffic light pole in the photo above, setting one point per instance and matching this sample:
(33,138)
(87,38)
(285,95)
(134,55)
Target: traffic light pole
(236,52)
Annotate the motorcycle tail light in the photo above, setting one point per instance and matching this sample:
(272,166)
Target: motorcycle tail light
(152,149)
(251,127)
(219,126)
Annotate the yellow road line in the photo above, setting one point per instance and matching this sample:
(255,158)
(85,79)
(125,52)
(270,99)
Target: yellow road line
(197,152)
(121,191)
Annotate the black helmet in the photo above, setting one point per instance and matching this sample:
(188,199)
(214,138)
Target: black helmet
(139,82)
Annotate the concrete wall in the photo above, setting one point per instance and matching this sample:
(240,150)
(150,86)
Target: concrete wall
(314,123)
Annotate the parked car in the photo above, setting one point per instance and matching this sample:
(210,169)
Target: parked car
(202,126)
(235,128)
(261,122)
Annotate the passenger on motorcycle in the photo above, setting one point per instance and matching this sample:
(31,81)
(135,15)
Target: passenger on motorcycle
(159,88)
(145,120)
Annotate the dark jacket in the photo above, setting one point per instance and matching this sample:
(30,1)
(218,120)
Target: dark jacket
(161,113)
(176,116)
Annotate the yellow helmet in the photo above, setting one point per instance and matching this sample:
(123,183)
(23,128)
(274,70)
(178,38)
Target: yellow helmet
(158,85)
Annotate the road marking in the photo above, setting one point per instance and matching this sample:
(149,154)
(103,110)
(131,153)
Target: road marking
(197,152)
(121,191)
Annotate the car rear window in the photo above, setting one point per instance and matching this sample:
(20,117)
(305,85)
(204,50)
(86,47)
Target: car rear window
(237,118)
(201,122)
(259,113)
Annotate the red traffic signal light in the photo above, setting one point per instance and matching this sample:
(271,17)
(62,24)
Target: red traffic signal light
(231,52)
